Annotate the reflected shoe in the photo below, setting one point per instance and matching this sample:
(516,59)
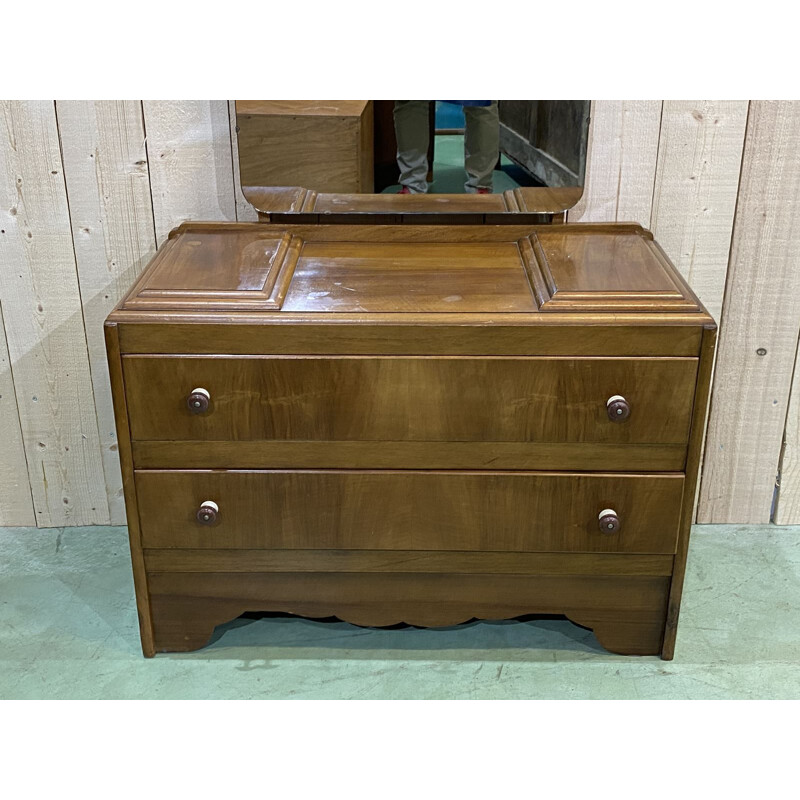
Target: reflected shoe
(482,190)
(404,190)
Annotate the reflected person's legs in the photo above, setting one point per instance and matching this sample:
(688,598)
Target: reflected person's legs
(411,124)
(481,145)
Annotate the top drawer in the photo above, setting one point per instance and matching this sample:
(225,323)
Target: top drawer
(410,399)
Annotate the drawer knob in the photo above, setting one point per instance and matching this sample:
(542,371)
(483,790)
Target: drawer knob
(608,520)
(198,401)
(207,513)
(618,408)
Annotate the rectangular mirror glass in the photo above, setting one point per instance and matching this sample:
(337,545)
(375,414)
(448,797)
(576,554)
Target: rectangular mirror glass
(420,157)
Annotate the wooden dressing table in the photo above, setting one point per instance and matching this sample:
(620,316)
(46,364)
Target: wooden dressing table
(410,423)
(400,408)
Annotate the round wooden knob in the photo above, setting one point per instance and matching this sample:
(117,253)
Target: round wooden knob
(608,521)
(207,513)
(198,401)
(618,408)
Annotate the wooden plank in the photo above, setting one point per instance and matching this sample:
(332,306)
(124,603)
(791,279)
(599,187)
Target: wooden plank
(761,311)
(180,560)
(128,483)
(44,322)
(16,505)
(626,613)
(260,454)
(787,508)
(190,162)
(697,181)
(245,211)
(621,162)
(248,335)
(105,166)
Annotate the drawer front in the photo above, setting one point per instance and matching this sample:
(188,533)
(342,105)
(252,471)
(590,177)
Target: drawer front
(409,510)
(409,399)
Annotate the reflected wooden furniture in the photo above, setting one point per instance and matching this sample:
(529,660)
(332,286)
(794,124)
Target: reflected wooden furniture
(296,205)
(422,424)
(327,144)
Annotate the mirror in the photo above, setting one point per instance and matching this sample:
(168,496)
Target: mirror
(393,158)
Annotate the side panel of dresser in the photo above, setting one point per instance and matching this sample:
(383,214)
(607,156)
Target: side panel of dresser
(129,488)
(699,415)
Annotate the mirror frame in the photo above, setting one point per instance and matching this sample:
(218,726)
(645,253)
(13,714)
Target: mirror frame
(525,204)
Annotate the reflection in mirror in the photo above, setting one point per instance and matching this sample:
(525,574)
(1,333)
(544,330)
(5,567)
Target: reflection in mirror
(293,154)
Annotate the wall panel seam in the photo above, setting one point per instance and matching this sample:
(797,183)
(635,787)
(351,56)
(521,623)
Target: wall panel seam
(19,417)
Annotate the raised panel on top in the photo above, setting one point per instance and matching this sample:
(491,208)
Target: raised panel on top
(409,510)
(586,269)
(404,399)
(218,270)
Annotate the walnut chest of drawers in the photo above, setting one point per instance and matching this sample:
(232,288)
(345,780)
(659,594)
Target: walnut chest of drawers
(421,424)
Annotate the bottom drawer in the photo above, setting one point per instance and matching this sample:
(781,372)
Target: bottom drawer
(409,510)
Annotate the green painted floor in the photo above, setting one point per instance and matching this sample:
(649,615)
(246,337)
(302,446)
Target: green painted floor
(68,629)
(449,175)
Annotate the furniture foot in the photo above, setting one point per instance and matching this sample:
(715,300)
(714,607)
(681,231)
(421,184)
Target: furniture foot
(183,624)
(626,636)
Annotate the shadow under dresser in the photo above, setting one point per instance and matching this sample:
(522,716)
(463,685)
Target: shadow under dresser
(403,423)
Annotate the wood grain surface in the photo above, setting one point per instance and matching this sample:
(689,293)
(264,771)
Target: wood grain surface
(16,504)
(44,325)
(263,454)
(361,398)
(413,269)
(762,312)
(787,508)
(111,214)
(393,510)
(190,162)
(451,561)
(696,186)
(545,334)
(140,582)
(437,276)
(626,613)
(322,145)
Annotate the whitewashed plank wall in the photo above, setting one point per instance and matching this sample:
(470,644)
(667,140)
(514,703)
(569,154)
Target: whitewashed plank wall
(761,313)
(16,507)
(694,198)
(87,189)
(44,327)
(191,161)
(105,165)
